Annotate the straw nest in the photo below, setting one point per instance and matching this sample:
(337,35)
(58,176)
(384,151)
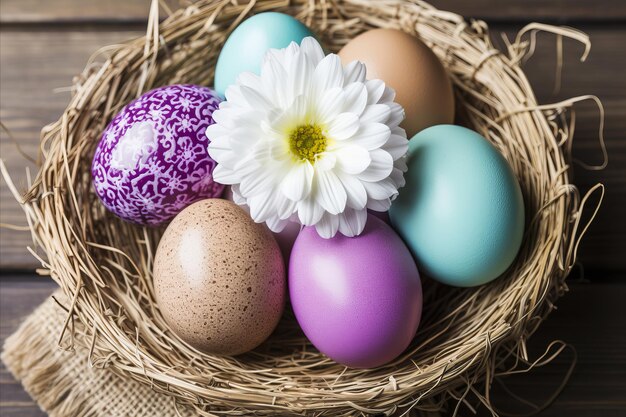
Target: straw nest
(467,338)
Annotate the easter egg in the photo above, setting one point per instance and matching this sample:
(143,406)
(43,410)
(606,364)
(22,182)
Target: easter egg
(247,44)
(407,65)
(285,238)
(461,211)
(357,299)
(152,160)
(219,278)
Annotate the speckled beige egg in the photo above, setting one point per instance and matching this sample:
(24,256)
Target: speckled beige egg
(219,278)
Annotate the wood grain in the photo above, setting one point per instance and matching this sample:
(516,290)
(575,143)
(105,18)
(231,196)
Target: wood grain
(34,68)
(592,321)
(34,63)
(601,75)
(591,318)
(546,10)
(97,11)
(61,12)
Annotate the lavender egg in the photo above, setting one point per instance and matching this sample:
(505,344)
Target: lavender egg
(357,299)
(152,160)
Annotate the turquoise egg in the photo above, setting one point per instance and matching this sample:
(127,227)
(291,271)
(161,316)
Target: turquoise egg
(461,211)
(247,44)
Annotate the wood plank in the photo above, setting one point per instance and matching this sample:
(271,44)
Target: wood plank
(590,317)
(77,11)
(33,64)
(95,11)
(601,75)
(592,321)
(562,11)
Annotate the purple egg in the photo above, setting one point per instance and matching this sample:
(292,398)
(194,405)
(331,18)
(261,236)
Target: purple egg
(358,300)
(152,160)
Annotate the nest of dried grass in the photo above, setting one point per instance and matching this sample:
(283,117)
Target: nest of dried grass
(467,338)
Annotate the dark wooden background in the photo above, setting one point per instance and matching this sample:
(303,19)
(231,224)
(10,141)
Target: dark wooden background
(43,44)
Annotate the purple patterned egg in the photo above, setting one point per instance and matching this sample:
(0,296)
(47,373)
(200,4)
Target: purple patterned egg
(152,160)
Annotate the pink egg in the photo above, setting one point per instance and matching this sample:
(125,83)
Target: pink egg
(358,300)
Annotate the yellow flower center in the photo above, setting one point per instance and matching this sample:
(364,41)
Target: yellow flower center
(307,141)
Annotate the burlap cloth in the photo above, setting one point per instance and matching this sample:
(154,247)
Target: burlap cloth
(64,384)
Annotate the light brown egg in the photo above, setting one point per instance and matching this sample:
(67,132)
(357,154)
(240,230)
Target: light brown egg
(411,68)
(219,278)
(284,238)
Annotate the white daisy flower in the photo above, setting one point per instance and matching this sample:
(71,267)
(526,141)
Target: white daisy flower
(310,141)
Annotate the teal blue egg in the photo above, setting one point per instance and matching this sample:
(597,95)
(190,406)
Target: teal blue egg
(247,44)
(461,211)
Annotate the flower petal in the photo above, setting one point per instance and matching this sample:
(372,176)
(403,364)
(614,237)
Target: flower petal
(389,95)
(376,113)
(233,117)
(215,131)
(375,90)
(261,206)
(329,104)
(298,80)
(288,54)
(400,164)
(219,149)
(379,205)
(297,183)
(352,222)
(397,145)
(312,49)
(357,196)
(380,190)
(254,98)
(397,115)
(397,176)
(224,175)
(295,114)
(250,165)
(277,55)
(251,80)
(343,126)
(328,73)
(275,224)
(244,138)
(355,71)
(372,136)
(232,94)
(285,207)
(273,75)
(309,212)
(257,184)
(325,161)
(352,159)
(329,192)
(327,226)
(237,197)
(379,168)
(279,150)
(356,98)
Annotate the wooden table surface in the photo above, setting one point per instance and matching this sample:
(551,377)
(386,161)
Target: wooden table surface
(44,44)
